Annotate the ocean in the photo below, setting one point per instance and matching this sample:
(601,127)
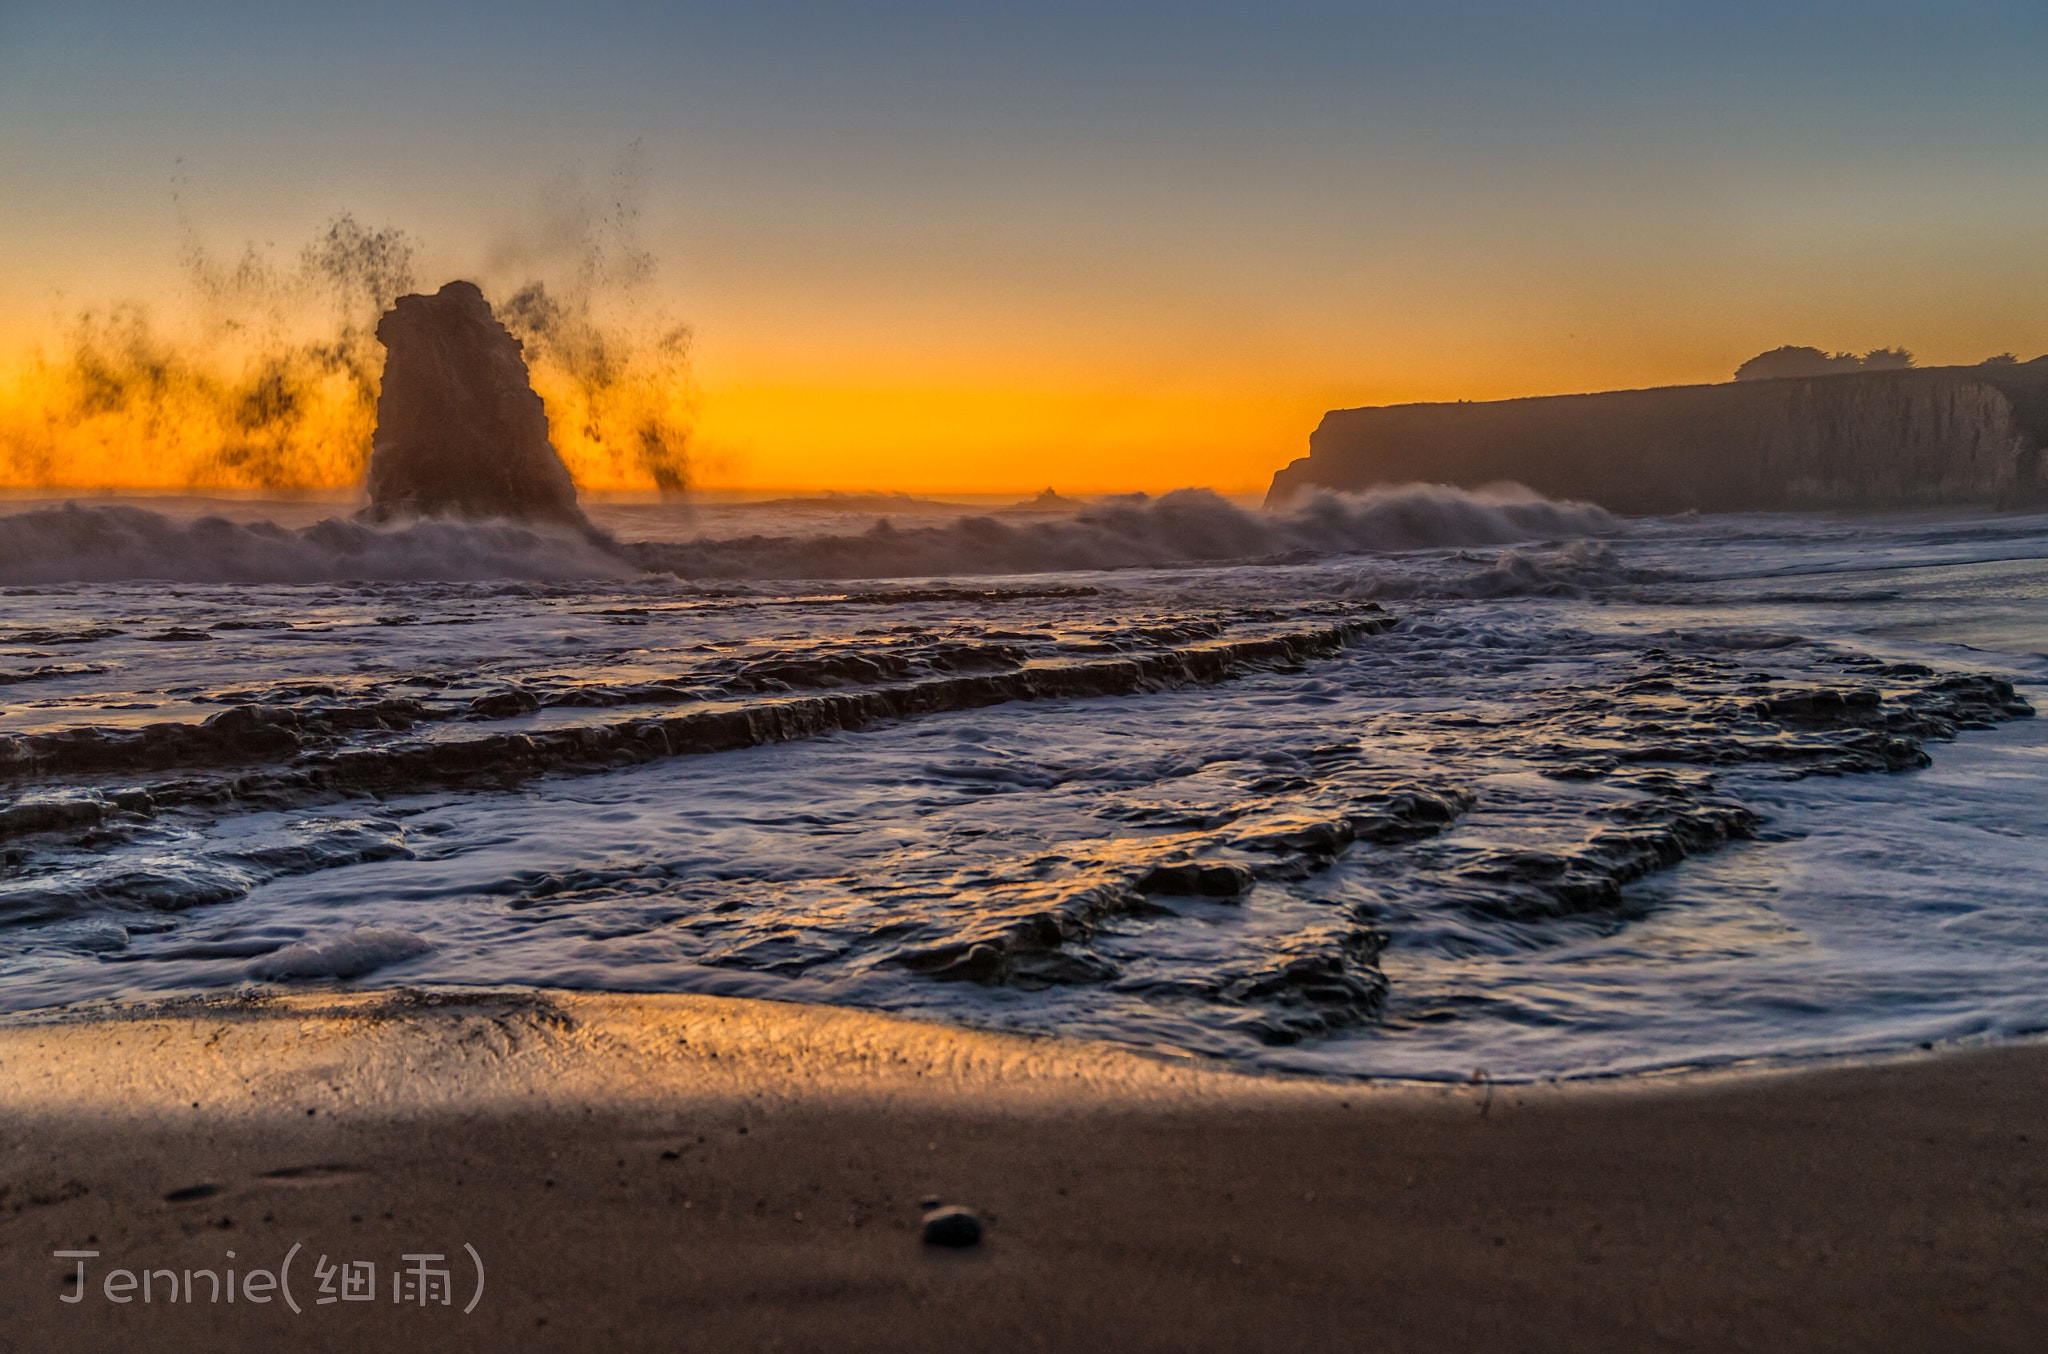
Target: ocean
(1419,784)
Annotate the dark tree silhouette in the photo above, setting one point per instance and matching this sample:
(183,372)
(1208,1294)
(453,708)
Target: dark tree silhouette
(1790,361)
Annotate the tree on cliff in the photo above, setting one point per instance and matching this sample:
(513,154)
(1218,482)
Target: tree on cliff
(1795,361)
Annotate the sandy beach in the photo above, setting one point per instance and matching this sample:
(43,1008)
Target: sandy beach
(706,1173)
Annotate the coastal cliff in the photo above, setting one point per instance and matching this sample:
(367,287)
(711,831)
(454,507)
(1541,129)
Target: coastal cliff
(1874,439)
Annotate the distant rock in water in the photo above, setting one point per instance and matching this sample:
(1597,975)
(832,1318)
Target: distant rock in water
(1869,439)
(460,432)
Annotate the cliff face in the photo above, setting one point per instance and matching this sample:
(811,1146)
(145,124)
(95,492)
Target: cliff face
(1888,439)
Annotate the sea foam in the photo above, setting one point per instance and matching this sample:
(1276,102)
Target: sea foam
(1188,526)
(361,951)
(81,543)
(96,543)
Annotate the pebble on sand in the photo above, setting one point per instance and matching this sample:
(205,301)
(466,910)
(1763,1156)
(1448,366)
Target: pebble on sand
(952,1226)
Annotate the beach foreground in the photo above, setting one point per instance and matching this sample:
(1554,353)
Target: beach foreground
(706,1173)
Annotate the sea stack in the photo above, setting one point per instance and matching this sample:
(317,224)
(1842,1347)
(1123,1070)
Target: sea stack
(460,432)
(1922,438)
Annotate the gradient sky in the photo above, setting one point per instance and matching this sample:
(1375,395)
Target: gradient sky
(1096,246)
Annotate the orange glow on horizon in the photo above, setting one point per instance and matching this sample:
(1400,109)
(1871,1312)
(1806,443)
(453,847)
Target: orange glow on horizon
(127,408)
(935,439)
(173,425)
(118,406)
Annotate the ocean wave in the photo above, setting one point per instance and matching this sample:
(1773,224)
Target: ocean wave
(93,543)
(349,956)
(1574,569)
(78,543)
(1188,526)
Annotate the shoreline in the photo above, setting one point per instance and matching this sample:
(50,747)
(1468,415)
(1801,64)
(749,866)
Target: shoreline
(659,1172)
(850,1034)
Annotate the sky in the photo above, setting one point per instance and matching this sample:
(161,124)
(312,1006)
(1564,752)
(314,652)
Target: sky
(1096,247)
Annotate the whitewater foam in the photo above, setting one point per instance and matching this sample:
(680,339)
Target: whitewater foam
(79,543)
(361,951)
(1188,526)
(95,543)
(1575,569)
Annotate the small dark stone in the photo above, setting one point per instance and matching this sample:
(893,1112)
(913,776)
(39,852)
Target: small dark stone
(191,1192)
(952,1226)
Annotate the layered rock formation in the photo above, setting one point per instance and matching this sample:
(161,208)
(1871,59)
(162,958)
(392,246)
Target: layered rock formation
(1873,439)
(460,432)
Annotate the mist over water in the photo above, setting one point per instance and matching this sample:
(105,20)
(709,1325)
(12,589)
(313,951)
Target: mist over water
(264,374)
(84,542)
(1404,784)
(1187,526)
(73,543)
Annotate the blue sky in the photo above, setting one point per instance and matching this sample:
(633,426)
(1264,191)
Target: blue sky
(1307,203)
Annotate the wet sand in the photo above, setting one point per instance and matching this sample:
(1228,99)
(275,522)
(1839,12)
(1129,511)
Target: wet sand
(700,1173)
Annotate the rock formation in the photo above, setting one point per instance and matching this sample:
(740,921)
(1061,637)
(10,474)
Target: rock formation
(460,432)
(1870,439)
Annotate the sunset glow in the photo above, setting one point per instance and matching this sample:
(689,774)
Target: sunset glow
(939,255)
